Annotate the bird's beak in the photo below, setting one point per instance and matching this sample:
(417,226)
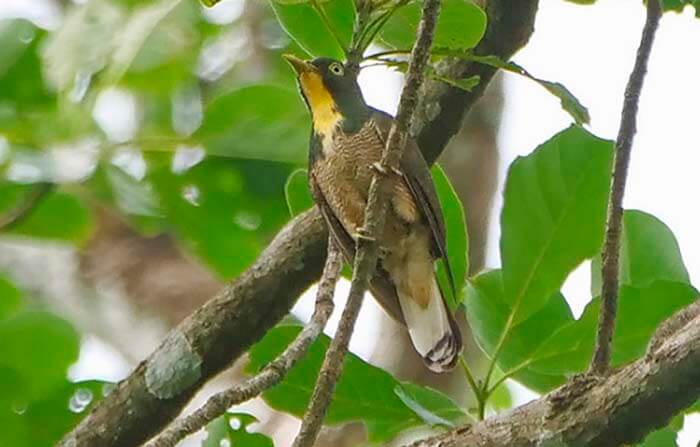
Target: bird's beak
(299,65)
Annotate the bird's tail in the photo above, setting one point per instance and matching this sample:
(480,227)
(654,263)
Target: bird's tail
(433,330)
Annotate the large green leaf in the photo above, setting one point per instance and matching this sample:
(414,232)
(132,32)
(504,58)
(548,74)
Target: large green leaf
(364,393)
(303,24)
(44,421)
(648,252)
(660,438)
(640,311)
(553,216)
(42,348)
(234,428)
(223,210)
(9,297)
(461,26)
(259,122)
(488,312)
(456,227)
(58,215)
(20,67)
(296,190)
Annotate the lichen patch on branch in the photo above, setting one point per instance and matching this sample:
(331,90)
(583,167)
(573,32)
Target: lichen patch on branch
(174,368)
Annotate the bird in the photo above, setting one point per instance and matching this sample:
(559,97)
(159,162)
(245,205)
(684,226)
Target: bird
(347,140)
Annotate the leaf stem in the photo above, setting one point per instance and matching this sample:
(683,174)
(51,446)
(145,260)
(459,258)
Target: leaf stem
(476,389)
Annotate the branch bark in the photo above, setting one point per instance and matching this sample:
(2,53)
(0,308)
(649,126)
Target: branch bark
(368,244)
(272,373)
(620,409)
(226,326)
(623,147)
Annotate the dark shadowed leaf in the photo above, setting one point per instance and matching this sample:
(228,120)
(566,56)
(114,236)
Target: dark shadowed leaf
(234,428)
(296,190)
(259,122)
(461,26)
(364,393)
(457,241)
(649,251)
(553,216)
(304,25)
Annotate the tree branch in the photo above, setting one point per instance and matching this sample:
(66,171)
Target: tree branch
(380,191)
(593,411)
(273,372)
(623,146)
(225,327)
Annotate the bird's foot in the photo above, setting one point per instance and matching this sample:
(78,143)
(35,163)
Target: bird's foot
(363,235)
(378,168)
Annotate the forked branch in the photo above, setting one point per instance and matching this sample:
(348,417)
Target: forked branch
(273,372)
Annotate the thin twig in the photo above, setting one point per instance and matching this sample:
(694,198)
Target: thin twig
(375,213)
(623,146)
(26,207)
(273,372)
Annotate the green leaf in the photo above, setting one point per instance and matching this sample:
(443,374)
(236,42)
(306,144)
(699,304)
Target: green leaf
(433,407)
(488,312)
(679,5)
(553,216)
(233,427)
(20,68)
(43,347)
(9,297)
(222,210)
(568,101)
(46,420)
(305,27)
(461,26)
(649,251)
(258,122)
(296,190)
(364,393)
(660,438)
(59,216)
(457,241)
(640,311)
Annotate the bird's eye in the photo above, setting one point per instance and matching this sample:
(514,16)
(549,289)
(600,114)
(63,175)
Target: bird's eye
(336,68)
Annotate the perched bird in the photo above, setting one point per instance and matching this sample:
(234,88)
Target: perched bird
(347,140)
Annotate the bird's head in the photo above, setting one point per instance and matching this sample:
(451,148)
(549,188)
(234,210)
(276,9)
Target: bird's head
(331,92)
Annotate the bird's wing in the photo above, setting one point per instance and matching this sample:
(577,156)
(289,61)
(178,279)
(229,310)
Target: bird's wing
(417,175)
(381,285)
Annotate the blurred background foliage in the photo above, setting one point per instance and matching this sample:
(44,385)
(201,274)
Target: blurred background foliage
(150,150)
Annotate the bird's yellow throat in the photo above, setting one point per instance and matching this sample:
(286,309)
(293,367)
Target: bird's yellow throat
(324,111)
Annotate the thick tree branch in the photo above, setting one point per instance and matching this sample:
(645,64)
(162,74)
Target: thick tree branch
(225,327)
(368,244)
(593,411)
(273,372)
(623,147)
